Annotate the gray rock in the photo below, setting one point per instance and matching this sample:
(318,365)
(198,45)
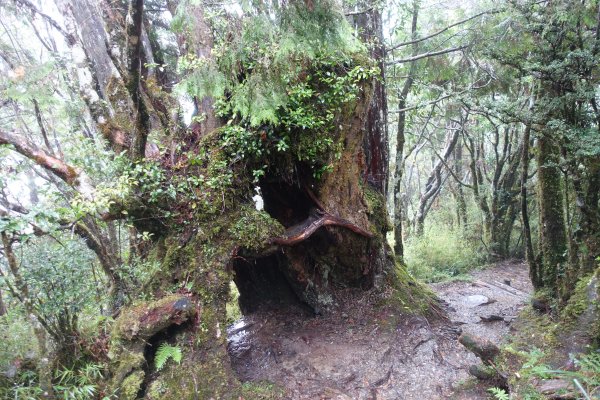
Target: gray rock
(557,389)
(475,300)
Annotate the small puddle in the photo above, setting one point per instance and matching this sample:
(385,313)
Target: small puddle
(238,337)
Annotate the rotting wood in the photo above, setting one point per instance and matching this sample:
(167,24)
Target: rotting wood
(173,310)
(491,318)
(483,372)
(510,288)
(482,348)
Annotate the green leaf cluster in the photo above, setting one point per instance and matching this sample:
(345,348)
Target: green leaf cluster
(282,82)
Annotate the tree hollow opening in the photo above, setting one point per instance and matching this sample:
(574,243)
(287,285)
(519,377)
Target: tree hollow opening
(167,336)
(289,204)
(262,285)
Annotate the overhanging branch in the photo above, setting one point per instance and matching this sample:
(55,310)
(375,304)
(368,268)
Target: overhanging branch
(351,13)
(26,3)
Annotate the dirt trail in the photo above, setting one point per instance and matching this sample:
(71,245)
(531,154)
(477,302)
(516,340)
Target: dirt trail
(361,354)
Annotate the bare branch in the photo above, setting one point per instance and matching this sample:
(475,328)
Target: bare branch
(38,117)
(428,54)
(351,13)
(66,172)
(70,39)
(435,101)
(396,46)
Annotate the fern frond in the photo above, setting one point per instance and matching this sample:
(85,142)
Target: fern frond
(164,353)
(499,394)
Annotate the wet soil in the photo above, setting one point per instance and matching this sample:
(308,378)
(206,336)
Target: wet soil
(360,351)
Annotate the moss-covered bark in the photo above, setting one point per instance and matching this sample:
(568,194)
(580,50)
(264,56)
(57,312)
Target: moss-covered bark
(553,241)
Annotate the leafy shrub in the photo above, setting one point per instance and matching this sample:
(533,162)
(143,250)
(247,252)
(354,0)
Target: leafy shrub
(70,383)
(586,379)
(440,254)
(17,338)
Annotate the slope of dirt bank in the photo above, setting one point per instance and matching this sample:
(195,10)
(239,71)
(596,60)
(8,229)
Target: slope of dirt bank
(361,354)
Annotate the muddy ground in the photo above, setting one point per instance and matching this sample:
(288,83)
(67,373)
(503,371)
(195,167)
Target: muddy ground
(357,353)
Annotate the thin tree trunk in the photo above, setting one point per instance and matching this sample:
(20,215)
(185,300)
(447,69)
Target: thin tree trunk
(3,309)
(434,182)
(461,205)
(477,177)
(534,272)
(401,139)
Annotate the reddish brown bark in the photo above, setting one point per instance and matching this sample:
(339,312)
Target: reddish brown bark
(63,170)
(318,219)
(375,143)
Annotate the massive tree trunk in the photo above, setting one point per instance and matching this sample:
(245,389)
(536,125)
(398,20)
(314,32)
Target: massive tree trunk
(370,28)
(315,235)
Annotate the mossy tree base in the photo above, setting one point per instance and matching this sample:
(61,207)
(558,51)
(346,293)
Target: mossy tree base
(224,238)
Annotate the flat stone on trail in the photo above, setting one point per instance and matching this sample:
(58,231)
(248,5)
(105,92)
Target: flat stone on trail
(557,389)
(475,300)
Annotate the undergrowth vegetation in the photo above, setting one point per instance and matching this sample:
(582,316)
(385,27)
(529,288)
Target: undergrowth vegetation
(16,336)
(442,253)
(584,379)
(83,383)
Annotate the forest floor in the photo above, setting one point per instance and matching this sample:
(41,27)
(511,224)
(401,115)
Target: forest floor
(365,352)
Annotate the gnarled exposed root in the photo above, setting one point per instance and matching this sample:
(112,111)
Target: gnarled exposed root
(316,220)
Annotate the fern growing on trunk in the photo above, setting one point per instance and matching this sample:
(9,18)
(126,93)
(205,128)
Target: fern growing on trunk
(164,353)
